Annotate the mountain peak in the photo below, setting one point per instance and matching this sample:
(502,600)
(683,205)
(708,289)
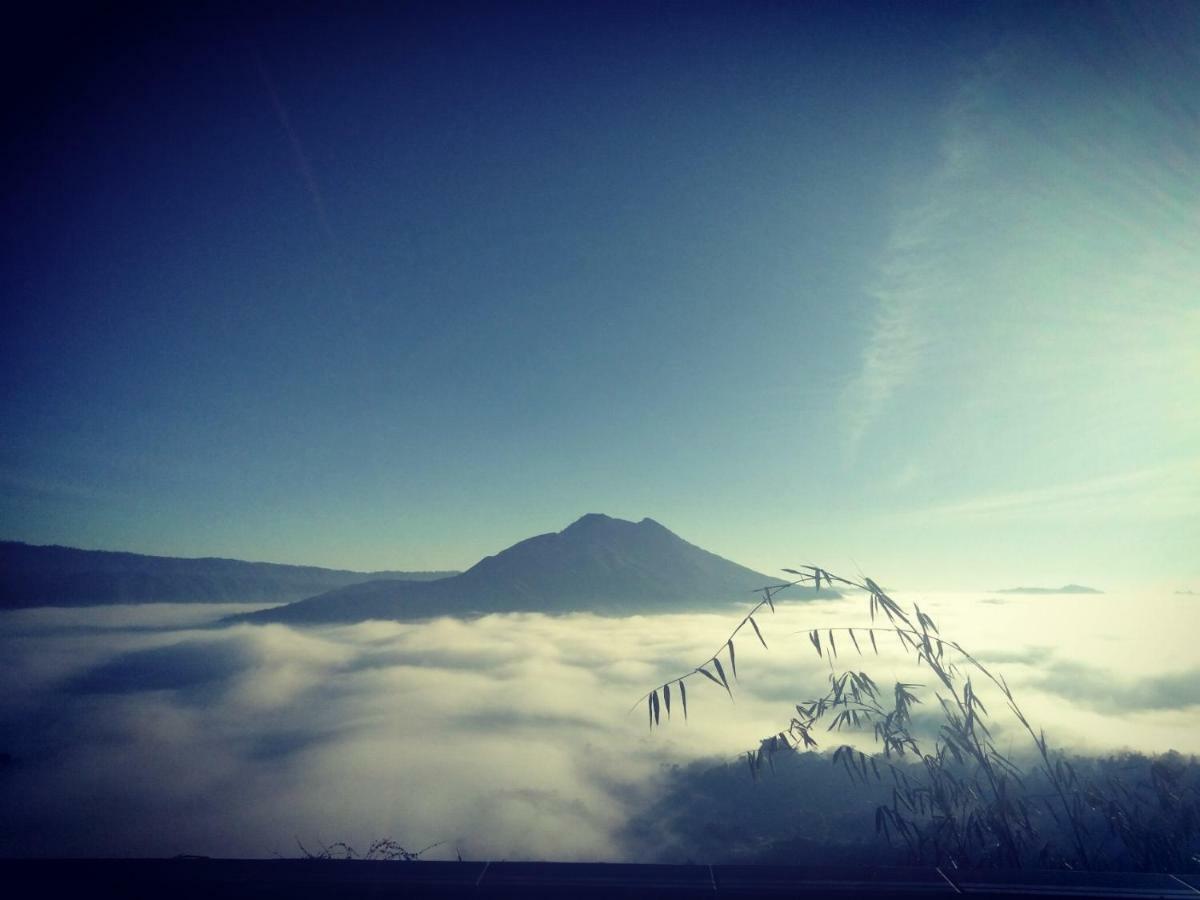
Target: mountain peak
(591,520)
(597,563)
(595,520)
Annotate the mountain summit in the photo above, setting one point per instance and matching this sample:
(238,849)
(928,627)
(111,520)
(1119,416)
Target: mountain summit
(598,563)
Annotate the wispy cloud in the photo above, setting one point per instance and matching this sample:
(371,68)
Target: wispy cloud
(1156,491)
(19,483)
(913,274)
(303,166)
(1039,279)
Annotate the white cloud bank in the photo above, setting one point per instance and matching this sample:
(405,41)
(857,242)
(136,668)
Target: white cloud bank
(506,737)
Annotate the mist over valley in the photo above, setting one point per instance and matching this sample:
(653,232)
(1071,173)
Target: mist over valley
(171,728)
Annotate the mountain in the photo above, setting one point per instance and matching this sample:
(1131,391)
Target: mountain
(599,564)
(1065,589)
(33,575)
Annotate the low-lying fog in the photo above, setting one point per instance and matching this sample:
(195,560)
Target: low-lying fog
(143,731)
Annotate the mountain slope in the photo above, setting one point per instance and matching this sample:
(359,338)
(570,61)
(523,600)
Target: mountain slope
(33,575)
(599,564)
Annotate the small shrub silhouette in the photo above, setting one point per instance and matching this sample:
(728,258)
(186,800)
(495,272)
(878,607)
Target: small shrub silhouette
(381,849)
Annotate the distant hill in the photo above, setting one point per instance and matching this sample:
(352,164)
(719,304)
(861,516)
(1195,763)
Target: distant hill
(33,575)
(600,564)
(1065,589)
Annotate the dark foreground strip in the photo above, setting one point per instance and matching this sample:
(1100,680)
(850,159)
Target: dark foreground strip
(232,879)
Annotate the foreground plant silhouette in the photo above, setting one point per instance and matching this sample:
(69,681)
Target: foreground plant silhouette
(955,798)
(381,849)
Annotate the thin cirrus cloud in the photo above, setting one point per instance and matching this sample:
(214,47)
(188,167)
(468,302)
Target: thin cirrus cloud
(913,274)
(1157,491)
(1038,284)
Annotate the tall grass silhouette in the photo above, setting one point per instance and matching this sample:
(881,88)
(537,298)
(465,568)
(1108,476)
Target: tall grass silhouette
(955,799)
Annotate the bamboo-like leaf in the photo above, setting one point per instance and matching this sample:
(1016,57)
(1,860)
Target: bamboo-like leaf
(832,644)
(770,602)
(732,658)
(874,646)
(871,686)
(721,671)
(650,709)
(817,580)
(683,698)
(839,756)
(854,640)
(815,637)
(710,676)
(754,625)
(667,698)
(791,571)
(654,704)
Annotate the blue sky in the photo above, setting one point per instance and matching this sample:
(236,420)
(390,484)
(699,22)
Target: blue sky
(915,290)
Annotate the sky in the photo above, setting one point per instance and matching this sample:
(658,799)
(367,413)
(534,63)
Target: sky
(905,289)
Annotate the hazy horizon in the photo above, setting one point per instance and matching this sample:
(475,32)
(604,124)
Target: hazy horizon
(1015,582)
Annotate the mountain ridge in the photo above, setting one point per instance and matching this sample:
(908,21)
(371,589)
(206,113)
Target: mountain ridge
(597,563)
(56,575)
(1065,589)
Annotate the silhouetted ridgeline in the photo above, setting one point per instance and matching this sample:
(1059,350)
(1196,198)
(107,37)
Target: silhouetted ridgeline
(597,564)
(64,576)
(1065,589)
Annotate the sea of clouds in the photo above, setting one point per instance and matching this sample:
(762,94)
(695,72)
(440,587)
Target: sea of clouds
(152,731)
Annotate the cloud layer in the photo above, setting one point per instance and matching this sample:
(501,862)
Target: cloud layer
(505,737)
